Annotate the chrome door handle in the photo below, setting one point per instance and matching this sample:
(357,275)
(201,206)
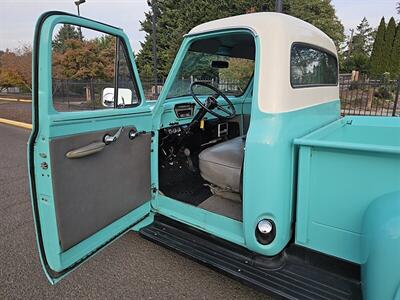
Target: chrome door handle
(108,139)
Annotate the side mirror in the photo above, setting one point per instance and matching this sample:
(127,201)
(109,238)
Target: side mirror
(124,97)
(220,64)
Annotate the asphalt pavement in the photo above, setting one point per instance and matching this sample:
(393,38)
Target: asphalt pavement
(17,111)
(130,268)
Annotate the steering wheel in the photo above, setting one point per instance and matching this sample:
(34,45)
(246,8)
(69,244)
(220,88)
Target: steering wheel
(211,103)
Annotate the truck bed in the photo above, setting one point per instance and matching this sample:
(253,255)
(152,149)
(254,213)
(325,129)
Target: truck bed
(376,134)
(342,168)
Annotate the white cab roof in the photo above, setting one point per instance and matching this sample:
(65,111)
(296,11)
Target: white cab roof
(276,33)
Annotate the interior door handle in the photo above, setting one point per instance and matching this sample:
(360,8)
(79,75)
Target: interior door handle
(86,150)
(108,139)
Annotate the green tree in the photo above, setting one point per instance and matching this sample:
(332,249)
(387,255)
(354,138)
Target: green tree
(240,70)
(377,66)
(363,38)
(358,49)
(88,59)
(321,14)
(357,61)
(389,38)
(395,55)
(177,17)
(16,68)
(7,79)
(66,32)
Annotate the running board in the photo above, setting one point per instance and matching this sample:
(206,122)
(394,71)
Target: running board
(297,273)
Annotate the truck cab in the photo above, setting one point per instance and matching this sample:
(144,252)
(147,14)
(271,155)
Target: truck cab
(243,163)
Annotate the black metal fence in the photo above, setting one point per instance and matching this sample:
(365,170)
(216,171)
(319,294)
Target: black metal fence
(367,97)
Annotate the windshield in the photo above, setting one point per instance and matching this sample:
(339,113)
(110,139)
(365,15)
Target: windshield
(231,74)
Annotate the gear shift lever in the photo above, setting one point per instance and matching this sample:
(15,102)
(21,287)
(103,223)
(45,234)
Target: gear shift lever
(189,159)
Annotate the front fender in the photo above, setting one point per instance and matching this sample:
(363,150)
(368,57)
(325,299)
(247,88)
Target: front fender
(380,271)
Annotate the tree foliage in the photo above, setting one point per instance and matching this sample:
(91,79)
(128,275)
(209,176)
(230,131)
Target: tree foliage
(177,17)
(66,32)
(358,48)
(377,66)
(385,57)
(85,59)
(395,55)
(240,70)
(15,68)
(357,61)
(321,14)
(363,38)
(72,58)
(388,45)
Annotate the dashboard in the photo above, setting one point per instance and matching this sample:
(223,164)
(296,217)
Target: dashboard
(181,111)
(184,110)
(175,138)
(182,129)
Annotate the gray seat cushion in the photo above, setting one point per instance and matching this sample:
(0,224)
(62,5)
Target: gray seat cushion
(221,164)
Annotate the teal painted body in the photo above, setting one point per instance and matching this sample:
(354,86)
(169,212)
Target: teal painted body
(348,201)
(380,248)
(329,184)
(343,167)
(269,178)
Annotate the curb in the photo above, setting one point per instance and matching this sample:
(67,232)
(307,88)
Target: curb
(16,100)
(16,123)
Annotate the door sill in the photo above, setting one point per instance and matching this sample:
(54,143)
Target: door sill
(212,223)
(296,273)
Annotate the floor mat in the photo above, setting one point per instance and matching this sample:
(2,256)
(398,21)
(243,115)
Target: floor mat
(222,206)
(180,183)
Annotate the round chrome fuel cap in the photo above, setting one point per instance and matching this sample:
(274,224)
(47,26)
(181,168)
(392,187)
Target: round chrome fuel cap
(265,226)
(265,231)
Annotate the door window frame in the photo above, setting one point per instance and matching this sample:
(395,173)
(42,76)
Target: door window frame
(119,40)
(65,18)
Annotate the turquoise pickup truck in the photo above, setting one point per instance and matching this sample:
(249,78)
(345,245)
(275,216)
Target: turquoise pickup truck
(244,162)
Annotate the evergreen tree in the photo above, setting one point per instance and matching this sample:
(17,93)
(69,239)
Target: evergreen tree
(177,17)
(377,66)
(357,61)
(395,55)
(358,49)
(66,32)
(389,38)
(362,39)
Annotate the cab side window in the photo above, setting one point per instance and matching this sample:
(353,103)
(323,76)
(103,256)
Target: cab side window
(311,66)
(87,66)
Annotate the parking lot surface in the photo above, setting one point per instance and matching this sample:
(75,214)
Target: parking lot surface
(17,111)
(130,268)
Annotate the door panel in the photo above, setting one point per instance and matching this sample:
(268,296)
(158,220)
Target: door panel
(93,191)
(83,202)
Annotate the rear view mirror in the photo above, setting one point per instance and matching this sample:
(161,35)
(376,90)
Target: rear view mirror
(220,64)
(124,97)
